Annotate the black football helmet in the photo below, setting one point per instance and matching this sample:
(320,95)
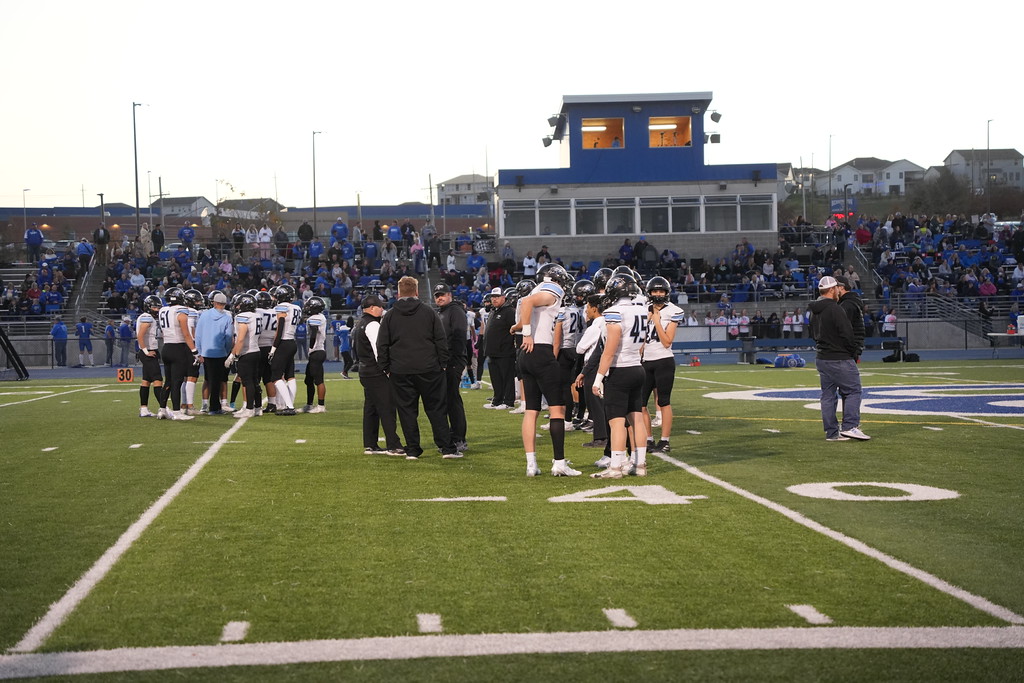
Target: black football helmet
(264,300)
(524,288)
(511,295)
(244,303)
(581,290)
(314,306)
(283,294)
(601,278)
(195,299)
(658,284)
(554,272)
(620,287)
(152,301)
(175,296)
(624,270)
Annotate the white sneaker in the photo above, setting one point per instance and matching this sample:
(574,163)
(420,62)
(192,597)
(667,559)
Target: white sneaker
(502,406)
(569,426)
(163,414)
(656,421)
(532,471)
(224,408)
(560,468)
(474,385)
(317,409)
(518,411)
(244,412)
(855,433)
(257,412)
(180,415)
(144,412)
(489,406)
(306,408)
(546,426)
(603,462)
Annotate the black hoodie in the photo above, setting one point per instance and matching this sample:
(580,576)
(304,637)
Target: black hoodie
(854,309)
(411,339)
(832,331)
(453,317)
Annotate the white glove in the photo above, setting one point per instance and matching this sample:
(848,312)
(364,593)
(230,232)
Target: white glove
(273,350)
(229,360)
(599,385)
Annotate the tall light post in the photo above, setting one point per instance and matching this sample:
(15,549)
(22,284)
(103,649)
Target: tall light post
(149,196)
(830,175)
(988,163)
(316,230)
(24,206)
(103,209)
(135,146)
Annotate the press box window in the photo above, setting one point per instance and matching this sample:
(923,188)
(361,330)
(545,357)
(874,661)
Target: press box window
(669,131)
(603,133)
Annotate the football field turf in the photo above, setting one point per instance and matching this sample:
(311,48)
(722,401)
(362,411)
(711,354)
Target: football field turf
(272,548)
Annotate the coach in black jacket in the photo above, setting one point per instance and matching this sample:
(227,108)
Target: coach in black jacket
(500,349)
(413,351)
(378,404)
(453,318)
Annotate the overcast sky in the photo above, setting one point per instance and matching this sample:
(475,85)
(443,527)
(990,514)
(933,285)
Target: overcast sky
(403,92)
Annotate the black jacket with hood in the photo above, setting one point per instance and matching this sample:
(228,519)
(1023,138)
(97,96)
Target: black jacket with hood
(832,330)
(854,309)
(453,317)
(411,340)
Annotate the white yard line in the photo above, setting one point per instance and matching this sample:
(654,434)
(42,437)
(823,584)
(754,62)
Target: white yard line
(987,423)
(234,631)
(619,618)
(43,398)
(418,647)
(971,599)
(60,610)
(701,380)
(811,615)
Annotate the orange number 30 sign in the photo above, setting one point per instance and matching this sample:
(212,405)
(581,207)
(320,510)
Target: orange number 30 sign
(125,375)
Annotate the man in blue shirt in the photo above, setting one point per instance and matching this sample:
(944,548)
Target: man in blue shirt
(214,341)
(83,330)
(110,338)
(339,231)
(33,244)
(187,235)
(125,334)
(59,333)
(316,249)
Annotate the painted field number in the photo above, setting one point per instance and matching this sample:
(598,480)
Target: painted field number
(125,375)
(650,494)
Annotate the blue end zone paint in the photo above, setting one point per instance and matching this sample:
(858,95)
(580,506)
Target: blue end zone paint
(993,400)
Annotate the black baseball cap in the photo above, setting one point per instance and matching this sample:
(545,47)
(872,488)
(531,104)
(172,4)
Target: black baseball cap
(442,289)
(843,282)
(372,300)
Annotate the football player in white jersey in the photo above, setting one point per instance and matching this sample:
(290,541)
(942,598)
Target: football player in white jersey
(146,328)
(620,377)
(195,301)
(316,322)
(539,367)
(268,332)
(659,362)
(179,350)
(246,350)
(282,352)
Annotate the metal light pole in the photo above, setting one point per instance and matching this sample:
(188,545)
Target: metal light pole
(149,196)
(830,175)
(988,163)
(103,209)
(315,228)
(24,206)
(135,145)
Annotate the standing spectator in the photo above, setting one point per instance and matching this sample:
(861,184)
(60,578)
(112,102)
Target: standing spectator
(305,235)
(378,403)
(110,339)
(626,253)
(237,240)
(59,333)
(453,318)
(145,239)
(301,350)
(281,241)
(33,244)
(101,238)
(888,322)
(413,351)
(85,251)
(214,342)
(339,231)
(187,235)
(266,239)
(83,330)
(499,348)
(252,240)
(836,364)
(124,333)
(529,266)
(157,236)
(343,343)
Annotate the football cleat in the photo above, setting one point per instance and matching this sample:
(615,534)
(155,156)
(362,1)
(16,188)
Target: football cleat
(245,412)
(179,415)
(144,412)
(560,468)
(317,409)
(609,473)
(603,462)
(532,471)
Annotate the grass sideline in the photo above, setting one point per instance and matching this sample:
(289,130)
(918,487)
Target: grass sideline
(314,540)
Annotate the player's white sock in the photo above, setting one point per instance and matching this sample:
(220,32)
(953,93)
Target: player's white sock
(282,393)
(292,388)
(190,392)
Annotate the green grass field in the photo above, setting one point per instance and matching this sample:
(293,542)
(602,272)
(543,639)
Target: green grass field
(287,554)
